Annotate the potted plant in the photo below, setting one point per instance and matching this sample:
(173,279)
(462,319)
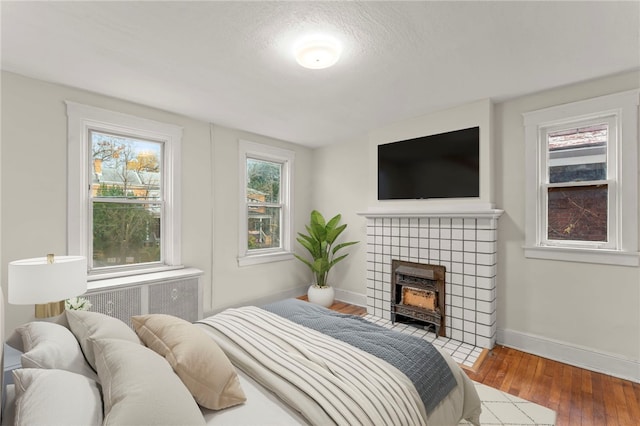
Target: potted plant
(320,243)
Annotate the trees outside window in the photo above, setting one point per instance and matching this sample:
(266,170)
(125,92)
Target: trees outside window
(124,209)
(265,203)
(126,200)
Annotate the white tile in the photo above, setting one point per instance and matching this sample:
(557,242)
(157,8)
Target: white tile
(457,323)
(469,327)
(457,290)
(486,235)
(484,295)
(483,223)
(485,283)
(469,269)
(469,314)
(445,233)
(469,257)
(486,271)
(469,337)
(486,247)
(456,234)
(469,234)
(483,330)
(469,246)
(469,303)
(434,255)
(456,223)
(485,259)
(507,413)
(469,292)
(469,280)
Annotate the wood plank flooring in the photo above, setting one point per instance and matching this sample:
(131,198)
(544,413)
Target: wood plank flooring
(580,397)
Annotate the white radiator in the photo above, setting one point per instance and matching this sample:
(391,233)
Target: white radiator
(178,293)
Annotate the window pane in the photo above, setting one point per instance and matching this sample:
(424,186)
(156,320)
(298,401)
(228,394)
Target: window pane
(263,181)
(578,154)
(125,167)
(125,234)
(264,227)
(578,213)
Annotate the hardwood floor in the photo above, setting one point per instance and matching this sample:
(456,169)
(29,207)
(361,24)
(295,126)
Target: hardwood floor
(580,397)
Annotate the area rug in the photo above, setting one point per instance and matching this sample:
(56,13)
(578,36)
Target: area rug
(500,408)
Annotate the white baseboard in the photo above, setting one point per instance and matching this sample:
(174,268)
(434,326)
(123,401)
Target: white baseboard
(287,294)
(578,356)
(350,297)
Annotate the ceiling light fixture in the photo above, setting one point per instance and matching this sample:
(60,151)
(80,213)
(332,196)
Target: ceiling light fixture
(317,52)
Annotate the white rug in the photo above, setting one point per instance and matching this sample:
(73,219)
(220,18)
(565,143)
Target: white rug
(500,408)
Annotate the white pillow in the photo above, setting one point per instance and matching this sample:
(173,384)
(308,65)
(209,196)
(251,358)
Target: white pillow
(49,345)
(140,388)
(88,326)
(56,397)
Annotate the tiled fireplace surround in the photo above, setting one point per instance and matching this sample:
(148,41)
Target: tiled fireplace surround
(465,245)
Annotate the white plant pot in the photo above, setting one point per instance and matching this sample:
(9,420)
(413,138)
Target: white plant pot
(322,296)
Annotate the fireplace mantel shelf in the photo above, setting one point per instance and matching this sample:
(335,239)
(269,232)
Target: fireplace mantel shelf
(434,212)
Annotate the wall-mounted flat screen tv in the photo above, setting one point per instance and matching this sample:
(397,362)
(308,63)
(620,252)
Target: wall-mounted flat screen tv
(445,165)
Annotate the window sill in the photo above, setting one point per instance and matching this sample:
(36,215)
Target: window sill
(607,257)
(101,282)
(264,258)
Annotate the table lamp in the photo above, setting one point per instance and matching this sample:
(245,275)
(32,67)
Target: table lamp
(47,282)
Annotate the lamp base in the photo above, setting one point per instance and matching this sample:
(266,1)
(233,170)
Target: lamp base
(51,309)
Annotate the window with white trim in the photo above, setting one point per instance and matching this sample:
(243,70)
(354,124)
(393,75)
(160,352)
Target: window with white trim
(124,200)
(265,203)
(581,177)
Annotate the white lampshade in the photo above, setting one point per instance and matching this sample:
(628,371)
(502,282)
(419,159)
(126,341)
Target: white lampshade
(36,281)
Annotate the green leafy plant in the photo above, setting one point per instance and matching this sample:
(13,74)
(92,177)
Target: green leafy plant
(320,244)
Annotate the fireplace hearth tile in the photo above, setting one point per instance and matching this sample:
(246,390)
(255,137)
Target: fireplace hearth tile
(463,353)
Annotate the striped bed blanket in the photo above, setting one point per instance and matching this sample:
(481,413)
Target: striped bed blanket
(415,357)
(324,379)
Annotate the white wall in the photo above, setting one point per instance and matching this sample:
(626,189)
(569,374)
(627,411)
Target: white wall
(340,183)
(587,315)
(473,114)
(582,313)
(234,285)
(34,192)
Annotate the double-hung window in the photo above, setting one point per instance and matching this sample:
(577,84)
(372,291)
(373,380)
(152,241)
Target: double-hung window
(124,205)
(265,203)
(581,201)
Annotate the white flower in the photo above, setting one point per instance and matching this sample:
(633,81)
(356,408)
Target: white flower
(77,304)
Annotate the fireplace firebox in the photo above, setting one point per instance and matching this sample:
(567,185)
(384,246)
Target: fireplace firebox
(418,294)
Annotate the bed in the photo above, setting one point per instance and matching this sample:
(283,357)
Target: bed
(286,363)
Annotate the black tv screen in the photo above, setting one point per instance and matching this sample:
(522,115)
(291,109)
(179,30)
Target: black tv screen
(446,165)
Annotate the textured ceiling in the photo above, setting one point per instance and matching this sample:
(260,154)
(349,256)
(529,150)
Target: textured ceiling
(230,63)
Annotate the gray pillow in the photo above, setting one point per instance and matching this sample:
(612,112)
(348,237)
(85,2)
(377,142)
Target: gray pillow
(56,397)
(49,345)
(88,326)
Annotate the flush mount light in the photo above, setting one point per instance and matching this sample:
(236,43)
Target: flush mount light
(317,52)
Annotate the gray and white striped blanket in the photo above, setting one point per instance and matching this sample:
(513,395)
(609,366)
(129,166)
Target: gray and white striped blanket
(350,386)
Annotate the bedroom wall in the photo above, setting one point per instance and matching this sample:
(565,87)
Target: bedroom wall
(583,314)
(34,203)
(340,182)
